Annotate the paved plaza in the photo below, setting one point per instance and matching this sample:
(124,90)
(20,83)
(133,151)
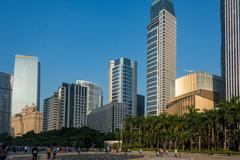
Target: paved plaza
(133,156)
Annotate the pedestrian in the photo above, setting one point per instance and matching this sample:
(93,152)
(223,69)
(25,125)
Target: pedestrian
(140,151)
(25,149)
(49,150)
(157,152)
(78,150)
(175,153)
(34,152)
(3,152)
(161,152)
(54,152)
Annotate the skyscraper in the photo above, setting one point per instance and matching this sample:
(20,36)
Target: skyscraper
(230,54)
(71,104)
(5,102)
(161,55)
(26,83)
(123,83)
(51,113)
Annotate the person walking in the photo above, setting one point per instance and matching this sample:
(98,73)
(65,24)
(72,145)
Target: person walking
(34,152)
(49,150)
(175,153)
(3,152)
(54,152)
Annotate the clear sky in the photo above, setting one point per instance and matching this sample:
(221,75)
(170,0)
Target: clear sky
(75,39)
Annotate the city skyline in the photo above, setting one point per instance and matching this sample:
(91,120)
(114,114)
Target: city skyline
(51,78)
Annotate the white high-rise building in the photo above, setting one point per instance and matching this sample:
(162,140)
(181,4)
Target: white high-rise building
(26,83)
(230,56)
(123,83)
(161,56)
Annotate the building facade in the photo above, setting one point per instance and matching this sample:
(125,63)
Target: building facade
(108,118)
(230,63)
(140,105)
(161,56)
(123,83)
(26,83)
(94,95)
(200,90)
(71,104)
(28,120)
(51,113)
(5,102)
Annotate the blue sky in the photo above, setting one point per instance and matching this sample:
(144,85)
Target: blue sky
(75,39)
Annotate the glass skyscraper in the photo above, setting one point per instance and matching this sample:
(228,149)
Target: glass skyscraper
(26,83)
(123,83)
(161,56)
(230,54)
(5,102)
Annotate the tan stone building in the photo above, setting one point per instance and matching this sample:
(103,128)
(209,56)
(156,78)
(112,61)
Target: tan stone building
(28,120)
(198,89)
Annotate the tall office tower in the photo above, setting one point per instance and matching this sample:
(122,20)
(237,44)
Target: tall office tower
(161,56)
(51,113)
(76,101)
(230,63)
(123,83)
(94,95)
(5,102)
(26,83)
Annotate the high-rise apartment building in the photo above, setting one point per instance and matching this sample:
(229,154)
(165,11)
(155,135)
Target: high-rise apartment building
(230,54)
(51,113)
(161,55)
(5,102)
(123,83)
(71,104)
(26,83)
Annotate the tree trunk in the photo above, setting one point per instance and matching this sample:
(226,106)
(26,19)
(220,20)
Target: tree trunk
(225,137)
(213,144)
(191,144)
(199,142)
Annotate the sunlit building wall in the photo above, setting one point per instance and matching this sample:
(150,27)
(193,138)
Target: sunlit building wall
(200,90)
(51,113)
(26,83)
(161,56)
(123,83)
(28,120)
